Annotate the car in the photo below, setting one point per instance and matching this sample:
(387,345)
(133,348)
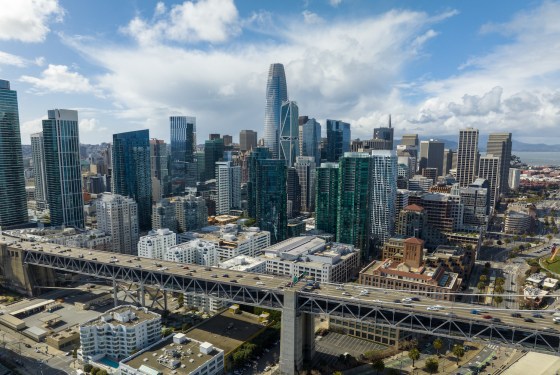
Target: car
(529,320)
(475,311)
(556,319)
(260,283)
(213,276)
(345,293)
(451,314)
(27,345)
(415,299)
(397,301)
(377,301)
(225,275)
(435,308)
(364,292)
(406,300)
(233,281)
(538,315)
(339,288)
(516,315)
(496,320)
(486,316)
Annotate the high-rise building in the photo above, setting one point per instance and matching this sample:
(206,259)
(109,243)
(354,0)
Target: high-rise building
(213,152)
(156,243)
(431,155)
(293,191)
(338,139)
(499,144)
(117,216)
(191,213)
(467,154)
(383,187)
(431,173)
(449,161)
(310,138)
(62,160)
(247,140)
(289,132)
(159,161)
(410,140)
(514,178)
(276,94)
(228,186)
(353,211)
(326,197)
(305,167)
(475,201)
(39,170)
(258,153)
(489,169)
(163,215)
(385,134)
(200,166)
(183,146)
(131,171)
(228,140)
(271,213)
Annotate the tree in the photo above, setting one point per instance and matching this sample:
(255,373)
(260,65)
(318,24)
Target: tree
(431,365)
(167,331)
(500,281)
(438,344)
(483,278)
(498,300)
(378,365)
(75,353)
(95,370)
(499,242)
(484,271)
(414,354)
(181,300)
(507,241)
(102,372)
(88,368)
(487,265)
(458,351)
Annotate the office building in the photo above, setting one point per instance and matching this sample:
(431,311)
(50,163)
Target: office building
(117,216)
(289,132)
(244,263)
(430,173)
(196,252)
(213,152)
(310,138)
(228,140)
(410,140)
(228,186)
(475,199)
(13,201)
(163,215)
(385,134)
(449,161)
(514,178)
(131,171)
(247,140)
(156,243)
(467,156)
(489,169)
(39,170)
(119,332)
(338,139)
(276,94)
(321,261)
(431,155)
(420,183)
(326,197)
(354,194)
(383,188)
(191,213)
(159,161)
(271,202)
(293,191)
(412,221)
(402,200)
(257,154)
(499,145)
(305,167)
(62,160)
(175,355)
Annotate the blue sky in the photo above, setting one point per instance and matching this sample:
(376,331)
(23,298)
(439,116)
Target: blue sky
(436,66)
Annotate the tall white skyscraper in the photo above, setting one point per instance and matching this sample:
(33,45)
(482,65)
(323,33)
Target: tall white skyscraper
(383,187)
(467,155)
(489,169)
(276,94)
(39,170)
(228,185)
(117,216)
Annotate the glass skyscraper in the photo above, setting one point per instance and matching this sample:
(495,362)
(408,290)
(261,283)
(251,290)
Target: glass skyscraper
(310,138)
(131,171)
(338,139)
(272,198)
(326,197)
(13,200)
(258,153)
(62,163)
(289,132)
(213,152)
(39,171)
(183,147)
(276,94)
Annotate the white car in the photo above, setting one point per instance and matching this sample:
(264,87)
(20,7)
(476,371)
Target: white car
(435,308)
(339,288)
(404,300)
(556,319)
(364,292)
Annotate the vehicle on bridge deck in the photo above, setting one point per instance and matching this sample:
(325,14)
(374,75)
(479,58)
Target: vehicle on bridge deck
(516,315)
(435,308)
(486,316)
(475,311)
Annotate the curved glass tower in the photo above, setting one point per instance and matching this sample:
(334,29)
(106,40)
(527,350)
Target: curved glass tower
(276,93)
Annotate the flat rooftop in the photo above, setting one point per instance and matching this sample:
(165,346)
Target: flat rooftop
(297,245)
(133,315)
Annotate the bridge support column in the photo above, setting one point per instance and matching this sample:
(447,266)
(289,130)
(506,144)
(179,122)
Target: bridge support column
(115,293)
(165,300)
(142,295)
(297,336)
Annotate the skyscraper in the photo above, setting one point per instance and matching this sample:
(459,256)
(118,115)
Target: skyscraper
(289,132)
(272,198)
(326,197)
(39,170)
(293,191)
(410,140)
(117,216)
(338,139)
(489,169)
(499,144)
(276,94)
(62,161)
(213,152)
(13,200)
(228,185)
(448,157)
(247,140)
(385,134)
(353,201)
(258,153)
(305,167)
(310,138)
(183,146)
(431,155)
(131,171)
(159,161)
(383,187)
(467,154)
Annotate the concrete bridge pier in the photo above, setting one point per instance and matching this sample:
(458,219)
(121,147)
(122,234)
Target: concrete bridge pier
(297,335)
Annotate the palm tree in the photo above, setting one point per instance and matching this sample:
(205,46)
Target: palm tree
(458,351)
(438,344)
(498,300)
(378,365)
(414,354)
(480,286)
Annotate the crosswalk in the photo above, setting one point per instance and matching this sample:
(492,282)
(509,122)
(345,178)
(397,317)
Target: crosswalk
(492,346)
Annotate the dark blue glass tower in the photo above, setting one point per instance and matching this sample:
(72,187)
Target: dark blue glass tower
(272,198)
(338,139)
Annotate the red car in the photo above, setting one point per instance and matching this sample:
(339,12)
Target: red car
(487,316)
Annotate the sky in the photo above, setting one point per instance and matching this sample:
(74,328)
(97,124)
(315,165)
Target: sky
(435,66)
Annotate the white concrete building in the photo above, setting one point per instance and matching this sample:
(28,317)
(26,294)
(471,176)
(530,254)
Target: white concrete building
(196,251)
(117,216)
(514,178)
(245,264)
(156,243)
(119,332)
(178,355)
(383,187)
(228,186)
(322,261)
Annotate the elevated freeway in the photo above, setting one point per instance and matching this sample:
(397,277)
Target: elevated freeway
(355,302)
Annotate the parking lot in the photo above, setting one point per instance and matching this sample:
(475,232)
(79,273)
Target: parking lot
(331,346)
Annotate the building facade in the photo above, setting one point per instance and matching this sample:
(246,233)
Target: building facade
(191,213)
(156,243)
(338,139)
(383,187)
(271,194)
(39,170)
(183,146)
(310,138)
(247,140)
(326,197)
(276,94)
(163,215)
(228,186)
(159,161)
(117,216)
(289,132)
(196,251)
(499,145)
(467,155)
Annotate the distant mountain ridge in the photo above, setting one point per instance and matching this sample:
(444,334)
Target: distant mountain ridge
(516,145)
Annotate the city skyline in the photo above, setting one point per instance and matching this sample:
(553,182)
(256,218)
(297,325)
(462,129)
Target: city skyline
(432,87)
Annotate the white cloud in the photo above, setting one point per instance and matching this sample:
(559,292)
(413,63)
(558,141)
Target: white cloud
(28,20)
(311,18)
(58,78)
(29,127)
(14,60)
(335,3)
(212,21)
(88,125)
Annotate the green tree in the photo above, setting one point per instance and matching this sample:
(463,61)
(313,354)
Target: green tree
(487,265)
(166,331)
(483,278)
(438,344)
(499,289)
(88,368)
(458,351)
(500,281)
(378,365)
(337,373)
(431,365)
(75,353)
(498,300)
(95,371)
(507,240)
(414,354)
(181,300)
(102,372)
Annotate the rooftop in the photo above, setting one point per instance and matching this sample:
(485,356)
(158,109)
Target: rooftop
(126,315)
(414,207)
(229,235)
(241,263)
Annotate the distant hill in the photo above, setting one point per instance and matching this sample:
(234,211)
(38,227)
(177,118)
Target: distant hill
(516,145)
